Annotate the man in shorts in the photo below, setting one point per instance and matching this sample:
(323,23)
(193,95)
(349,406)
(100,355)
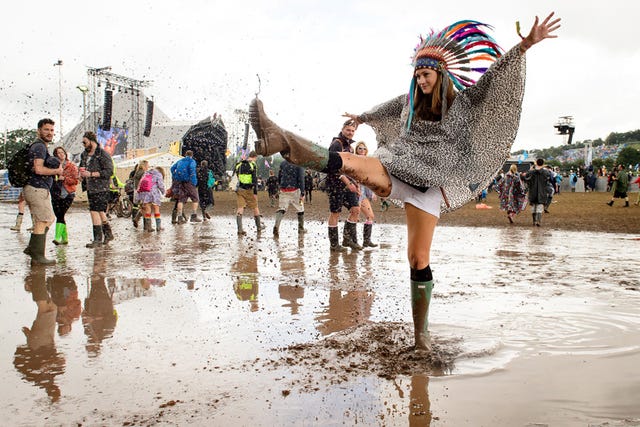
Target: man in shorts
(37,191)
(96,168)
(342,191)
(185,186)
(247,192)
(292,186)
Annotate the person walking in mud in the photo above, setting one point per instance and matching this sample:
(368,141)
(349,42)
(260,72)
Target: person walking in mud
(247,192)
(149,195)
(619,186)
(37,191)
(63,192)
(512,193)
(343,191)
(291,184)
(135,176)
(538,180)
(96,168)
(184,186)
(206,181)
(366,198)
(440,145)
(308,187)
(272,189)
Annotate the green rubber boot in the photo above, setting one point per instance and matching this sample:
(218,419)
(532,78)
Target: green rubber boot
(57,240)
(36,250)
(65,236)
(420,299)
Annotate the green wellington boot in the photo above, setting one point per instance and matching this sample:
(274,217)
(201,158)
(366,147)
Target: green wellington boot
(57,240)
(420,299)
(36,250)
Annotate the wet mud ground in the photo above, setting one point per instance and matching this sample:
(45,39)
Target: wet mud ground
(193,325)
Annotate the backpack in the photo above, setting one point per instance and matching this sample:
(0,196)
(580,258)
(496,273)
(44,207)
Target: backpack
(128,186)
(211,180)
(19,167)
(146,183)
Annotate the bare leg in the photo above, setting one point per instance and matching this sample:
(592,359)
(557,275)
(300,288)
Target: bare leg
(367,171)
(420,229)
(354,214)
(366,210)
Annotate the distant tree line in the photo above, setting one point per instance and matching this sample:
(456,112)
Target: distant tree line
(14,140)
(629,155)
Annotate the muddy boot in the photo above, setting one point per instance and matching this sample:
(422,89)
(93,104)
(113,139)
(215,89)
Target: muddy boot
(174,216)
(57,240)
(36,250)
(276,227)
(97,237)
(349,238)
(297,150)
(205,216)
(108,234)
(421,287)
(136,217)
(181,218)
(334,240)
(538,219)
(241,231)
(146,224)
(194,218)
(18,225)
(301,229)
(366,236)
(610,203)
(159,224)
(626,203)
(259,225)
(533,215)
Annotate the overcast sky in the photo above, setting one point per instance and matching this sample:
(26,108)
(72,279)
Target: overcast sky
(316,59)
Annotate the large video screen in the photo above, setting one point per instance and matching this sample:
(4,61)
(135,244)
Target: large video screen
(113,141)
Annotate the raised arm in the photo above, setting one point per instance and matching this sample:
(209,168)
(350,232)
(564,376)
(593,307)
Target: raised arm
(539,32)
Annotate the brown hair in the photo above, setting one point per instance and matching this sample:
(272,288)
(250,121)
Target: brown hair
(349,122)
(161,170)
(90,136)
(66,156)
(46,121)
(429,107)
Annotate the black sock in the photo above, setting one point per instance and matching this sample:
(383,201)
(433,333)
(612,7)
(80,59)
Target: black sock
(423,275)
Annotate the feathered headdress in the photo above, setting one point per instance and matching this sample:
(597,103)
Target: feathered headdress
(454,51)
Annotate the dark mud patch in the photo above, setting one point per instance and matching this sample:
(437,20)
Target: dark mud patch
(381,349)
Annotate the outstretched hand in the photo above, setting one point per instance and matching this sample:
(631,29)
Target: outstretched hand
(540,31)
(353,117)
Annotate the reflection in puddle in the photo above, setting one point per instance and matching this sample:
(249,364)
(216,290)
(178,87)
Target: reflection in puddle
(187,316)
(39,361)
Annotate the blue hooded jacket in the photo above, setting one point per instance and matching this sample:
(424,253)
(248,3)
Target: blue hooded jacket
(184,170)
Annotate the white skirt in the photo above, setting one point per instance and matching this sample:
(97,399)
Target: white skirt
(430,201)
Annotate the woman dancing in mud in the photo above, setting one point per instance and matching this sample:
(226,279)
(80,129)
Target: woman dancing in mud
(438,146)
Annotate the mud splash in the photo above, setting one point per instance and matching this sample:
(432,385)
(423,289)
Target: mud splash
(382,349)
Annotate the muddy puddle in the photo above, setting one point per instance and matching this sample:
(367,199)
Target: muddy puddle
(194,325)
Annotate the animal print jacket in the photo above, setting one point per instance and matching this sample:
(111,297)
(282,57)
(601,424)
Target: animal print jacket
(464,151)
